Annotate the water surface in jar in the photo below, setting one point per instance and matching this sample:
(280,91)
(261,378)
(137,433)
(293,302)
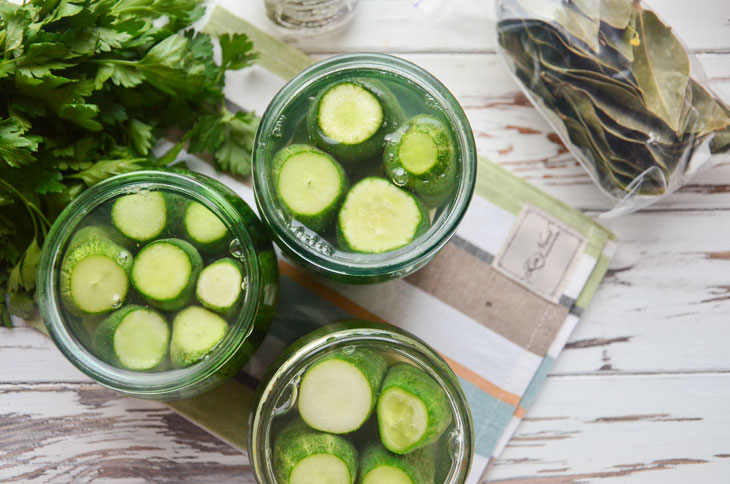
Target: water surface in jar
(151,280)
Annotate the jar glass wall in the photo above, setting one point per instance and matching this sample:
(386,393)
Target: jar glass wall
(76,333)
(277,403)
(286,123)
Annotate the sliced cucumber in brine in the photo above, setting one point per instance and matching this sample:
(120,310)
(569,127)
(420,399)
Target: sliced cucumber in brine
(338,394)
(305,456)
(134,338)
(195,332)
(165,271)
(94,272)
(413,410)
(219,285)
(378,466)
(351,118)
(310,184)
(140,216)
(420,156)
(377,216)
(204,228)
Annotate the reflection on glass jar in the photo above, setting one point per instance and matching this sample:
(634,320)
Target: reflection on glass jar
(311,16)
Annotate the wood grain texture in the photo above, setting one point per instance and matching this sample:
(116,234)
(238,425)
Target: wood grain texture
(66,432)
(640,393)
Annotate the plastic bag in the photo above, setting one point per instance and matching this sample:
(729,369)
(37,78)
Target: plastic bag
(628,99)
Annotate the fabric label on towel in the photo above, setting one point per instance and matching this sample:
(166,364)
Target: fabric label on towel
(541,253)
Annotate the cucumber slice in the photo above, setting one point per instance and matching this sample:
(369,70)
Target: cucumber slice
(164,273)
(140,216)
(310,184)
(219,285)
(204,228)
(94,273)
(420,157)
(338,393)
(195,332)
(305,456)
(413,410)
(351,118)
(378,466)
(377,216)
(134,338)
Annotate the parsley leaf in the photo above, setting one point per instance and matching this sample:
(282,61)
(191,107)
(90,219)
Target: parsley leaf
(89,88)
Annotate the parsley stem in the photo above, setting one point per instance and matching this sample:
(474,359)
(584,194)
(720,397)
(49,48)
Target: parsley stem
(28,205)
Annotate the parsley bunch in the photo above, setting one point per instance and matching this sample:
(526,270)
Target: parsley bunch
(87,87)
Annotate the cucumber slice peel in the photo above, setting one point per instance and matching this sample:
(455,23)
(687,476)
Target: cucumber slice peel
(338,394)
(195,332)
(219,285)
(413,410)
(140,216)
(403,418)
(310,184)
(305,456)
(378,466)
(351,118)
(203,226)
(94,272)
(133,338)
(349,113)
(420,156)
(377,217)
(165,271)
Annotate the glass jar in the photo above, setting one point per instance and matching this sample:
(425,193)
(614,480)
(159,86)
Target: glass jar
(276,398)
(309,17)
(248,323)
(283,122)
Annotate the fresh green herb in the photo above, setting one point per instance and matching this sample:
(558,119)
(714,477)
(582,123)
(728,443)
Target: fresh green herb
(87,89)
(618,81)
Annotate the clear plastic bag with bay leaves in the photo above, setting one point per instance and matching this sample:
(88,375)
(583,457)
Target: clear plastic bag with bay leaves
(627,97)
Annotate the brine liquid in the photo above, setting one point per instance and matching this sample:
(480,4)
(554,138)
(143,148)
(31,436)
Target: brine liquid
(291,128)
(446,448)
(83,327)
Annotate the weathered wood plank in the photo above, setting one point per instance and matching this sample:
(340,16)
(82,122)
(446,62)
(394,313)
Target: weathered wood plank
(84,433)
(656,429)
(396,26)
(578,431)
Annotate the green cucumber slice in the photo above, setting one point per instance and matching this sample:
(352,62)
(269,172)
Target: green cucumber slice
(219,285)
(134,338)
(378,466)
(377,216)
(413,410)
(140,216)
(204,228)
(351,118)
(195,332)
(305,456)
(165,271)
(310,184)
(94,273)
(338,394)
(420,157)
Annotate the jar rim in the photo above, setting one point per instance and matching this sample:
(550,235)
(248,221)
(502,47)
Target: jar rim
(367,264)
(167,383)
(314,345)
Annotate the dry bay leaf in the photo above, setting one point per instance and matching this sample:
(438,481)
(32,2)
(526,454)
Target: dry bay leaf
(661,68)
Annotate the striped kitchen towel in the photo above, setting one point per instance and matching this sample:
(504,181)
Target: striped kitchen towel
(498,302)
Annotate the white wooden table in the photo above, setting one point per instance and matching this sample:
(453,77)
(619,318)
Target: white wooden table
(640,393)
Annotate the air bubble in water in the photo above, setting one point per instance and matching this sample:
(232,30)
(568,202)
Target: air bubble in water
(235,249)
(348,350)
(288,398)
(244,283)
(123,258)
(400,177)
(116,301)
